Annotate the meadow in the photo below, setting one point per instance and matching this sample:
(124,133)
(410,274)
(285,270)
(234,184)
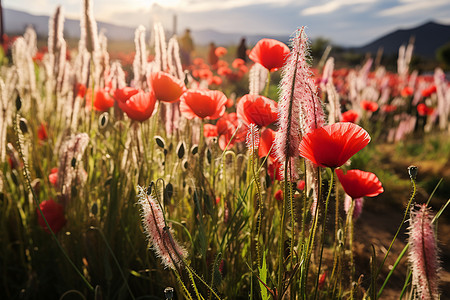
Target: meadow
(157,173)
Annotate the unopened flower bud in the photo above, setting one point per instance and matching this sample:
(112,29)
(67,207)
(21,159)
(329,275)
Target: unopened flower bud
(412,170)
(168,293)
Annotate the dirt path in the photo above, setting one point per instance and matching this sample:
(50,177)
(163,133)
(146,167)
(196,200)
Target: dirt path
(382,215)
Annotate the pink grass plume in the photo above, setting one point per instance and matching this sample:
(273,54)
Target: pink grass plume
(158,233)
(423,254)
(300,109)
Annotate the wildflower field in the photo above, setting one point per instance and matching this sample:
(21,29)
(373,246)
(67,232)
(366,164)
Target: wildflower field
(147,176)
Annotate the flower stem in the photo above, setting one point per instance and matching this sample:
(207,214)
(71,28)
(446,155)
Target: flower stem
(27,176)
(323,230)
(398,231)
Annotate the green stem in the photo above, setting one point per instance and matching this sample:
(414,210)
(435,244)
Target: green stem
(323,231)
(398,231)
(399,258)
(312,233)
(115,259)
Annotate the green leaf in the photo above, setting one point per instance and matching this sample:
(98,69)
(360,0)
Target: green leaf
(263,278)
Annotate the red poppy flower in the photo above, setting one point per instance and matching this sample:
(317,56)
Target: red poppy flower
(357,183)
(222,64)
(279,195)
(407,91)
(210,130)
(205,74)
(388,108)
(273,169)
(224,71)
(54,214)
(266,142)
(198,61)
(301,185)
(138,107)
(230,103)
(424,110)
(167,88)
(226,129)
(238,62)
(38,56)
(349,116)
(429,91)
(102,100)
(80,90)
(332,145)
(216,80)
(122,95)
(53,176)
(203,104)
(258,110)
(272,54)
(42,132)
(369,105)
(220,51)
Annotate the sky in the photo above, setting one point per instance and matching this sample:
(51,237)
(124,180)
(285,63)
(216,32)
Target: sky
(343,22)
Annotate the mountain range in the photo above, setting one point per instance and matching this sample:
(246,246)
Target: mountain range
(428,37)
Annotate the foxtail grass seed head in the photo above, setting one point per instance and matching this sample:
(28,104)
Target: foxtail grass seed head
(423,254)
(159,235)
(299,109)
(252,138)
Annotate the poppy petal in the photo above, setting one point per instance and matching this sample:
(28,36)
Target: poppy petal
(332,145)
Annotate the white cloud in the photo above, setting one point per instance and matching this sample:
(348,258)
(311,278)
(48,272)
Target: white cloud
(332,6)
(208,5)
(412,6)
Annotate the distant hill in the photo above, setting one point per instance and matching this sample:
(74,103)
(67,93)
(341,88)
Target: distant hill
(17,21)
(428,38)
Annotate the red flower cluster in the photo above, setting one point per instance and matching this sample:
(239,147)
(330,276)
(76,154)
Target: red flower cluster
(429,91)
(225,129)
(424,110)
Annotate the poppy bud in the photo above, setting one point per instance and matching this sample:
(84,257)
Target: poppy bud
(412,170)
(209,155)
(181,149)
(160,141)
(185,164)
(94,209)
(194,149)
(103,120)
(168,293)
(18,103)
(23,125)
(168,192)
